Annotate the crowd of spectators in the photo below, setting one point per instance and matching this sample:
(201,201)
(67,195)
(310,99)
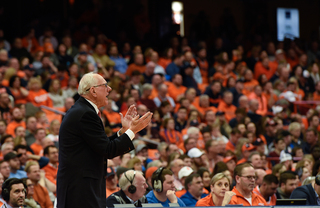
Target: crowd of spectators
(223,119)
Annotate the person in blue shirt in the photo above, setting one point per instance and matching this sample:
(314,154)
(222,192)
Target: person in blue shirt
(194,187)
(14,163)
(120,63)
(175,66)
(163,189)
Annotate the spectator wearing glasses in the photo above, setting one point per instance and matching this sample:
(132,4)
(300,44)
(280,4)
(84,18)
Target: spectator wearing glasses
(245,183)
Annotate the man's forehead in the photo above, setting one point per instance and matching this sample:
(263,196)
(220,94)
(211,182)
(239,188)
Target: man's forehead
(17,186)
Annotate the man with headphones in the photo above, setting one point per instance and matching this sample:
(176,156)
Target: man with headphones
(14,192)
(133,186)
(163,189)
(311,192)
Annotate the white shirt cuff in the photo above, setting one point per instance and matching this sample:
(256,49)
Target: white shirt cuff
(130,134)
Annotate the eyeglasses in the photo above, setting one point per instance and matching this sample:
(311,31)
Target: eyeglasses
(250,177)
(105,84)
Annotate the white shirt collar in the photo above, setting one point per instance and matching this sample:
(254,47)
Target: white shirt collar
(94,105)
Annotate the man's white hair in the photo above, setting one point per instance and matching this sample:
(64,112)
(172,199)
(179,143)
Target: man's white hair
(88,80)
(193,130)
(124,183)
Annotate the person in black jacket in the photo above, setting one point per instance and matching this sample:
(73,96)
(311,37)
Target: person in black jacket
(84,146)
(133,187)
(310,192)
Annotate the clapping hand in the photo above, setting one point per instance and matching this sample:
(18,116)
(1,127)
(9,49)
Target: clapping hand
(138,124)
(127,119)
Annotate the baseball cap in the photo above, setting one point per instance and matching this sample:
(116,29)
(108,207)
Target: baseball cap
(10,156)
(194,153)
(247,147)
(150,171)
(184,172)
(228,158)
(285,156)
(258,142)
(110,172)
(141,147)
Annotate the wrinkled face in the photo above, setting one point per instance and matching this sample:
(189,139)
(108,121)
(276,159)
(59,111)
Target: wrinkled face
(100,92)
(256,161)
(220,187)
(141,185)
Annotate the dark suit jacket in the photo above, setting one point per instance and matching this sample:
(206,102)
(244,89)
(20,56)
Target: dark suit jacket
(305,192)
(83,150)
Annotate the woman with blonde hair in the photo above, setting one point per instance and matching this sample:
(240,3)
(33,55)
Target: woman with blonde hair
(220,192)
(38,96)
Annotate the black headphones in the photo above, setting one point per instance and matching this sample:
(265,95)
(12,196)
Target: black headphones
(317,180)
(6,187)
(157,183)
(132,188)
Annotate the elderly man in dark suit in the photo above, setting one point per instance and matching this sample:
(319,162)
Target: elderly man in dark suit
(84,146)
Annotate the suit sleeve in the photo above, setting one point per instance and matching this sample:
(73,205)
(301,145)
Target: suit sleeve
(93,133)
(300,193)
(111,200)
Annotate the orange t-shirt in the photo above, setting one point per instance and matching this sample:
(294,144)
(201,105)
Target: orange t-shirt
(13,125)
(260,69)
(113,118)
(175,91)
(133,67)
(41,196)
(272,200)
(205,202)
(18,97)
(293,62)
(164,62)
(51,172)
(316,96)
(229,110)
(239,199)
(180,193)
(263,103)
(109,191)
(36,148)
(173,137)
(39,98)
(248,86)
